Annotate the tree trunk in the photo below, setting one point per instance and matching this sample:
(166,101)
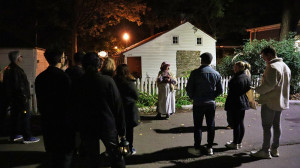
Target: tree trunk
(74,45)
(285,22)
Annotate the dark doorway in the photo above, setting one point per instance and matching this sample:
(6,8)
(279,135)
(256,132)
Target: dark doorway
(135,68)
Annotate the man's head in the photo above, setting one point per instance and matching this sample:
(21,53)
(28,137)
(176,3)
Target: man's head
(206,58)
(91,61)
(54,56)
(268,53)
(78,57)
(15,57)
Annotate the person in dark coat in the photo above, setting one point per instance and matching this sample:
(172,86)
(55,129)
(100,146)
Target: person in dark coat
(101,114)
(237,102)
(203,86)
(76,71)
(52,88)
(129,93)
(3,111)
(17,93)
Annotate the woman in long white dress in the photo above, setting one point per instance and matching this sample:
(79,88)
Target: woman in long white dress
(166,93)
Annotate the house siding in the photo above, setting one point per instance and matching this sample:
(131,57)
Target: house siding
(154,52)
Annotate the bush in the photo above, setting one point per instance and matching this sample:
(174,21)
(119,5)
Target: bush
(146,100)
(251,53)
(182,100)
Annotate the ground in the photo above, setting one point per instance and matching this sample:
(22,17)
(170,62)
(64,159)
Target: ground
(165,143)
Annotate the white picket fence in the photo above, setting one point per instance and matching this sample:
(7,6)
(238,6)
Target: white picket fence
(149,85)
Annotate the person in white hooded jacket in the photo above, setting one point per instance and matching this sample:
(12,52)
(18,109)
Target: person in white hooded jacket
(274,96)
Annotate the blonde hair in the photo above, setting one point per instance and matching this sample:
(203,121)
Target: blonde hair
(244,66)
(108,67)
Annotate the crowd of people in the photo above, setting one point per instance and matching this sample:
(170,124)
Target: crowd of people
(95,100)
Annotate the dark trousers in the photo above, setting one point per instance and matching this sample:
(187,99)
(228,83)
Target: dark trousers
(129,136)
(19,122)
(3,114)
(199,111)
(60,159)
(91,143)
(238,125)
(229,118)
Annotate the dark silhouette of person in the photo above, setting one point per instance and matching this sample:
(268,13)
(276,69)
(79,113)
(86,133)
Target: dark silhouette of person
(52,92)
(17,94)
(100,114)
(129,93)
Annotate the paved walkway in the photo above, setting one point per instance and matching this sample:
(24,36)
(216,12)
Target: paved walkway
(165,143)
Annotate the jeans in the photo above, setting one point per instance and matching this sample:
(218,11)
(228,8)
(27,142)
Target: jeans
(19,122)
(270,118)
(229,118)
(199,111)
(129,136)
(91,143)
(238,125)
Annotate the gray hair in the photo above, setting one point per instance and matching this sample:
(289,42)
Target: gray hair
(13,55)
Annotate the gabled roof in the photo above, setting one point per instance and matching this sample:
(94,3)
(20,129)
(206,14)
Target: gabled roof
(152,38)
(142,42)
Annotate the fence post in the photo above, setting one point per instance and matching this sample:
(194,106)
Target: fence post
(153,86)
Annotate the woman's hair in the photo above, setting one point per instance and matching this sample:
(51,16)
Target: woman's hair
(108,67)
(244,66)
(123,72)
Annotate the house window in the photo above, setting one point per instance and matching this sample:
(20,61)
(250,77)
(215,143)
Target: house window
(199,41)
(175,39)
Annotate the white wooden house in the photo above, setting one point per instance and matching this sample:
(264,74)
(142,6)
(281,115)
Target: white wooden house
(180,47)
(34,63)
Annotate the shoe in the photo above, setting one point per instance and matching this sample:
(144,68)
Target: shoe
(239,146)
(228,127)
(31,140)
(15,138)
(133,151)
(274,152)
(158,116)
(231,145)
(261,154)
(167,116)
(194,151)
(210,151)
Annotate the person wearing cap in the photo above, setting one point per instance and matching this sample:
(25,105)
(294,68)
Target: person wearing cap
(203,86)
(17,93)
(101,113)
(166,94)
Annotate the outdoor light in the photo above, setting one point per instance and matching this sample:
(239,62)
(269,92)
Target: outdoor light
(126,36)
(116,47)
(124,147)
(102,54)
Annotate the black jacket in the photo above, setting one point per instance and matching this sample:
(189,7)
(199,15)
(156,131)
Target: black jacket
(75,72)
(16,86)
(52,88)
(100,106)
(237,99)
(204,84)
(129,96)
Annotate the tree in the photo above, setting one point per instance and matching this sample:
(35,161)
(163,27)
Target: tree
(290,17)
(251,53)
(89,17)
